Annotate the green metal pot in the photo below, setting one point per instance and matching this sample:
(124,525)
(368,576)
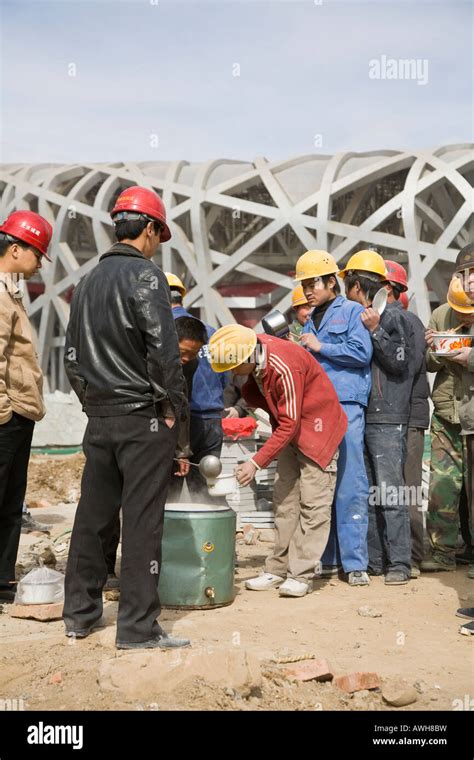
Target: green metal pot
(198,556)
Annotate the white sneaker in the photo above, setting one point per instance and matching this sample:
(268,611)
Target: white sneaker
(263,582)
(358,578)
(292,587)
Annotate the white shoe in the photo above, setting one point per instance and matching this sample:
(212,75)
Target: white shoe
(263,582)
(358,578)
(292,587)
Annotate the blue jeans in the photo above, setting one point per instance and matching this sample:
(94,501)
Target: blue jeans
(347,541)
(389,517)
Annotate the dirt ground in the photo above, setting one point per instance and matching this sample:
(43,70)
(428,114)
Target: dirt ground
(415,638)
(54,478)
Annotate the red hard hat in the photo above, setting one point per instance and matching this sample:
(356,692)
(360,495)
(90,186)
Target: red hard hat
(396,273)
(404,299)
(30,228)
(143,201)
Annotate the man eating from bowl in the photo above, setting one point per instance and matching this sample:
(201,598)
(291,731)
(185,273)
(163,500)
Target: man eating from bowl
(465,357)
(452,423)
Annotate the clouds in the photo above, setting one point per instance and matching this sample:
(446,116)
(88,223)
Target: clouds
(169,70)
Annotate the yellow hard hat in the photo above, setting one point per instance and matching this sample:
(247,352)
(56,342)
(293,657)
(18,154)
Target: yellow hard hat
(230,346)
(458,299)
(315,264)
(365,261)
(175,282)
(298,298)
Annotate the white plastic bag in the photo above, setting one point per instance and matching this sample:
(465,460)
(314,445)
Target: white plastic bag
(40,586)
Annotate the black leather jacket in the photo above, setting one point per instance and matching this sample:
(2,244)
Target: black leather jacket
(122,350)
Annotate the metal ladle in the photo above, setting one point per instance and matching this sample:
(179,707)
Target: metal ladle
(210,466)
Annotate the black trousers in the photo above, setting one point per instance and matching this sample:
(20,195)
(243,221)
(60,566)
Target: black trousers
(128,465)
(111,546)
(206,436)
(15,446)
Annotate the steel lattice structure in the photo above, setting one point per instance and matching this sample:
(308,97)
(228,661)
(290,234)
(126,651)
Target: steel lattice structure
(238,225)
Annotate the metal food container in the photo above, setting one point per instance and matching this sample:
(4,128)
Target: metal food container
(275,324)
(198,557)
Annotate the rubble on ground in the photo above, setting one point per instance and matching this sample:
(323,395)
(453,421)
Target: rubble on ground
(42,612)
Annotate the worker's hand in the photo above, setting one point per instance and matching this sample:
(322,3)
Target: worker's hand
(183,468)
(308,340)
(230,412)
(462,357)
(370,319)
(170,422)
(245,473)
(429,337)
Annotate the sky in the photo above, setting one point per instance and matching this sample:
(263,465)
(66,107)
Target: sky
(161,80)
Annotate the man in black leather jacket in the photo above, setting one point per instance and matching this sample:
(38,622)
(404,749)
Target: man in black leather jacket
(123,361)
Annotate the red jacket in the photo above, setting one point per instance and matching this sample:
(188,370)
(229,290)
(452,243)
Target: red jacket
(302,403)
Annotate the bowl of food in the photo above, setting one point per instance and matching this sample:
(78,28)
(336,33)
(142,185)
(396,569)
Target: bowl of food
(447,342)
(223,485)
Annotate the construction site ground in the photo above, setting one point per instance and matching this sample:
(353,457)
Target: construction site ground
(413,635)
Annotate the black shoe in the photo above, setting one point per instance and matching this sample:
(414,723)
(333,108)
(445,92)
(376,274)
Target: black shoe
(370,571)
(28,525)
(466,612)
(396,578)
(162,641)
(432,565)
(7,595)
(467,628)
(112,583)
(85,632)
(465,557)
(330,571)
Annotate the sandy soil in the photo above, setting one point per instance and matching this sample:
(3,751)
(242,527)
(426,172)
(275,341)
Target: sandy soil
(54,478)
(415,638)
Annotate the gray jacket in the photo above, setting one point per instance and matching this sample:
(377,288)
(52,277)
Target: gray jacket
(419,408)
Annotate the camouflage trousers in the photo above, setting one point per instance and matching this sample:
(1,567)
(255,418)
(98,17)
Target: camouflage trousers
(448,470)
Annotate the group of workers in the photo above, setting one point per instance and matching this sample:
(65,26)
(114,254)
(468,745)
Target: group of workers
(347,396)
(376,361)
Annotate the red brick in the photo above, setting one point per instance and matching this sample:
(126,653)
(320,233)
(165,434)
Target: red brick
(42,612)
(309,670)
(357,682)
